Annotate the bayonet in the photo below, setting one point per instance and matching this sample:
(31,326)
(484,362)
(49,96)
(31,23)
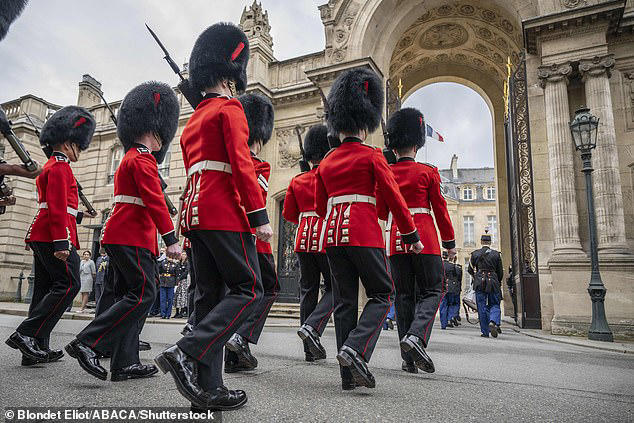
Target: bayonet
(16,144)
(304,166)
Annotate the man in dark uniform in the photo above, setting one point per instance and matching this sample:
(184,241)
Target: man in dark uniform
(147,122)
(222,202)
(419,278)
(485,266)
(510,283)
(450,304)
(259,113)
(167,282)
(299,208)
(53,234)
(347,181)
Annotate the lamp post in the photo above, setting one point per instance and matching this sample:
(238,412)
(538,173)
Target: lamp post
(584,128)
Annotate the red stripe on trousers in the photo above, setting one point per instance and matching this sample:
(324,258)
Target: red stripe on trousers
(276,292)
(246,258)
(132,309)
(389,301)
(70,284)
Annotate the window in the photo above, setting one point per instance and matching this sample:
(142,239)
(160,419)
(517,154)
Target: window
(493,227)
(469,231)
(164,168)
(115,159)
(489,193)
(467,193)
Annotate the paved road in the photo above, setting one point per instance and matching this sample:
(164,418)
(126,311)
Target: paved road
(512,378)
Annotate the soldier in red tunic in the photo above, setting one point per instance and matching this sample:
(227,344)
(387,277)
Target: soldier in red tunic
(53,234)
(222,202)
(259,113)
(419,278)
(299,208)
(147,122)
(347,180)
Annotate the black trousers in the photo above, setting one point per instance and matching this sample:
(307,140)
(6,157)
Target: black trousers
(191,291)
(311,312)
(128,352)
(116,328)
(228,289)
(348,264)
(252,327)
(55,286)
(420,286)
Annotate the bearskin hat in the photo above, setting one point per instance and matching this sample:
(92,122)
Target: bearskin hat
(9,11)
(355,101)
(221,51)
(149,107)
(259,112)
(316,143)
(405,128)
(70,123)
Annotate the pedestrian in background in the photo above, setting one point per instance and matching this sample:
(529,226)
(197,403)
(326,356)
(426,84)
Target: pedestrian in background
(156,307)
(182,286)
(450,304)
(167,282)
(87,273)
(102,266)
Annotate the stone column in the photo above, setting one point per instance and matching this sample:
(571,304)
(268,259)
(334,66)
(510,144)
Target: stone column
(554,81)
(605,160)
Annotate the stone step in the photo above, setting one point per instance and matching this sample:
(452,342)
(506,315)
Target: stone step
(286,310)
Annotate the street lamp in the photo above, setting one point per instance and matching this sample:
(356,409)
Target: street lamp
(584,129)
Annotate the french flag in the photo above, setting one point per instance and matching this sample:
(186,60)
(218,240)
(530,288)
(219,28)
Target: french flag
(430,132)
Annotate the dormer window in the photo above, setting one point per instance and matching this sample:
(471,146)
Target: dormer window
(489,193)
(467,193)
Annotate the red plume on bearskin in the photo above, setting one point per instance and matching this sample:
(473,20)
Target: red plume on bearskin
(259,112)
(150,107)
(9,11)
(406,128)
(221,51)
(70,123)
(355,101)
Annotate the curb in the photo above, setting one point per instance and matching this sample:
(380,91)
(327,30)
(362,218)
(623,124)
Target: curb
(616,349)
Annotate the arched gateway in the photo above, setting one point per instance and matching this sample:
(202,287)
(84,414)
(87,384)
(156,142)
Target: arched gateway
(576,52)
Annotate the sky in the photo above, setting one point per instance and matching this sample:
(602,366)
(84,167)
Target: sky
(53,43)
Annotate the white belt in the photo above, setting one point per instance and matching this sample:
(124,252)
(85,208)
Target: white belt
(388,228)
(208,165)
(69,210)
(307,214)
(342,199)
(128,199)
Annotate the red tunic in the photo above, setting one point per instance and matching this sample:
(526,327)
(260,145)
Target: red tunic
(357,168)
(263,173)
(420,185)
(135,222)
(299,208)
(225,195)
(58,200)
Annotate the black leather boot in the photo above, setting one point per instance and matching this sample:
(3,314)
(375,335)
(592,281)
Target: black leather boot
(223,399)
(134,371)
(353,361)
(184,370)
(240,346)
(28,346)
(187,329)
(409,367)
(310,337)
(87,358)
(144,346)
(414,348)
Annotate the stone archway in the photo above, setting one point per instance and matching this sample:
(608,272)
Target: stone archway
(418,42)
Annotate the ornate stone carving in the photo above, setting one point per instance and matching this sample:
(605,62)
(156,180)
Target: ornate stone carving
(571,4)
(288,148)
(596,66)
(553,73)
(341,35)
(628,95)
(445,35)
(255,23)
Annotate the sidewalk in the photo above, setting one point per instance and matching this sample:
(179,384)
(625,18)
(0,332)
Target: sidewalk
(22,309)
(616,346)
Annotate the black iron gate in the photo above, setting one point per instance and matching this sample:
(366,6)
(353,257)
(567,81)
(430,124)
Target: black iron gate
(287,263)
(522,199)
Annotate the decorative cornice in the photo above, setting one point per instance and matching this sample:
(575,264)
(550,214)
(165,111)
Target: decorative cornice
(597,66)
(553,73)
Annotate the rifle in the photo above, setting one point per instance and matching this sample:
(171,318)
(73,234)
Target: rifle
(192,96)
(80,190)
(387,153)
(333,140)
(170,206)
(304,166)
(14,141)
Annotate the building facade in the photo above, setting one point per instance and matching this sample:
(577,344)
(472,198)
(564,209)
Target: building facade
(576,52)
